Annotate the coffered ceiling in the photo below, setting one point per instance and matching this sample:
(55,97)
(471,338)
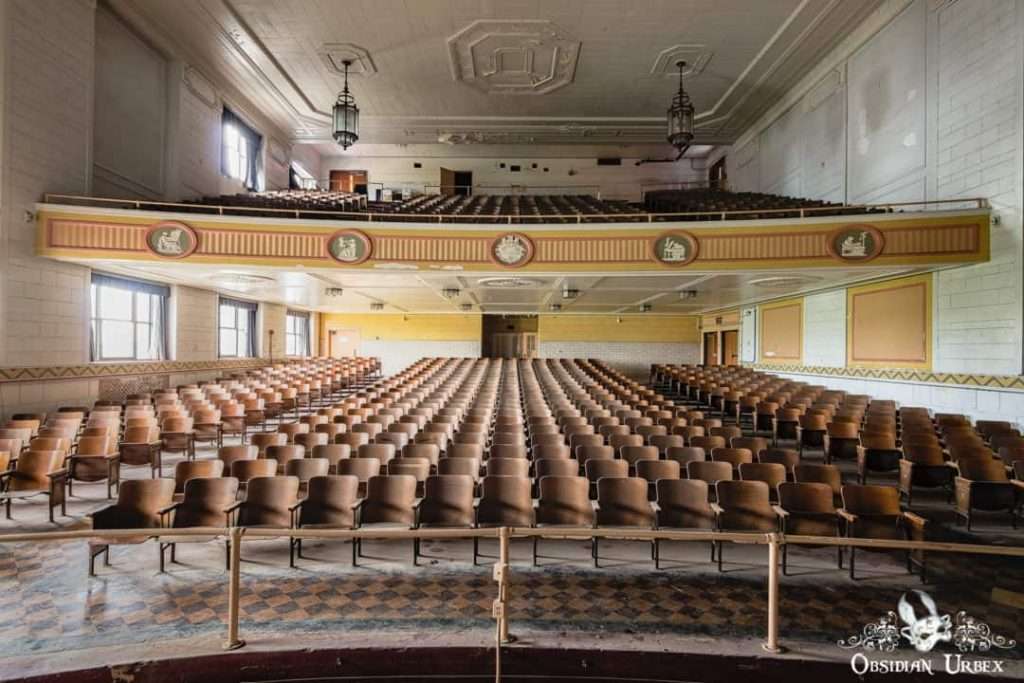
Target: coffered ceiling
(503,71)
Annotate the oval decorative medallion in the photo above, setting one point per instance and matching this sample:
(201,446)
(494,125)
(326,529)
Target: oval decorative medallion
(350,247)
(171,239)
(512,250)
(675,248)
(858,242)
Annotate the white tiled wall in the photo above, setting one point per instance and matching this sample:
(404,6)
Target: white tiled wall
(825,329)
(397,354)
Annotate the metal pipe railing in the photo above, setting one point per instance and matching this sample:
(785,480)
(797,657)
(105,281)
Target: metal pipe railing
(502,566)
(363,216)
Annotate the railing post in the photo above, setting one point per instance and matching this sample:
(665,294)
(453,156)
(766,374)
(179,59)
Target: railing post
(234,642)
(772,643)
(501,576)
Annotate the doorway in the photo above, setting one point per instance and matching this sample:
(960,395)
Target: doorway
(509,336)
(731,347)
(710,348)
(348,181)
(464,183)
(717,178)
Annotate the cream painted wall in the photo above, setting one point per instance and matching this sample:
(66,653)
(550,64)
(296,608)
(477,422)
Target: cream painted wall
(825,329)
(567,166)
(930,97)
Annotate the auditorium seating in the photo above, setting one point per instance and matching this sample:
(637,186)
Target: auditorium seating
(658,205)
(557,444)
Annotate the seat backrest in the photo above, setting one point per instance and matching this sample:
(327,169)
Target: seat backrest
(565,501)
(428,451)
(448,500)
(205,500)
(770,473)
(285,453)
(94,445)
(505,501)
(745,506)
(307,468)
(755,444)
(139,500)
(329,501)
(596,469)
(733,456)
(585,454)
(804,497)
(786,457)
(332,452)
(551,452)
(517,450)
(708,443)
(381,451)
(634,454)
(819,474)
(617,441)
(684,504)
(710,472)
(686,454)
(465,450)
(361,468)
(244,470)
(862,499)
(186,470)
(415,467)
(389,499)
(230,454)
(980,469)
(32,470)
(623,502)
(557,467)
(267,502)
(654,470)
(509,467)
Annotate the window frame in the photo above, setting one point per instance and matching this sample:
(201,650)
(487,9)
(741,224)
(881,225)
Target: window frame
(302,347)
(135,289)
(240,308)
(241,148)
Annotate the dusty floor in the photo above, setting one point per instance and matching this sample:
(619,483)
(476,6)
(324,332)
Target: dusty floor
(53,617)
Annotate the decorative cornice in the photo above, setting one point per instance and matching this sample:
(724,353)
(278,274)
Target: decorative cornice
(1011,382)
(101,370)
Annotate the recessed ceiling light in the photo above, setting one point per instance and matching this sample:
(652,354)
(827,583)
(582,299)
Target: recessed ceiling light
(780,281)
(508,282)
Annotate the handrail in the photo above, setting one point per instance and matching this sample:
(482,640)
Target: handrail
(774,541)
(370,216)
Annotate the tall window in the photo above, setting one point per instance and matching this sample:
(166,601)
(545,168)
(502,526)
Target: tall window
(239,150)
(296,338)
(128,320)
(237,329)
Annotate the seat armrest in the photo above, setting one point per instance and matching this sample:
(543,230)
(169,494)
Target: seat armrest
(234,506)
(716,508)
(169,508)
(293,508)
(58,474)
(847,515)
(655,506)
(1018,484)
(780,512)
(914,520)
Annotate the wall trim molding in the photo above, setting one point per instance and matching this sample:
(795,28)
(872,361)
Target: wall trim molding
(902,375)
(100,370)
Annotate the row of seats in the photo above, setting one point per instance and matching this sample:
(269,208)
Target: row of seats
(503,431)
(42,454)
(979,465)
(754,205)
(663,205)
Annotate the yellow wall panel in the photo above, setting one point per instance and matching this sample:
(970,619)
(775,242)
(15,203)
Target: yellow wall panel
(610,328)
(781,336)
(377,326)
(890,324)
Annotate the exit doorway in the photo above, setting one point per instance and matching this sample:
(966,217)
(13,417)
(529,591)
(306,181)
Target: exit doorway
(456,182)
(710,348)
(509,336)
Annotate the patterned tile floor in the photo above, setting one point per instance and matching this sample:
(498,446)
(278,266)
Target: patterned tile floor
(48,604)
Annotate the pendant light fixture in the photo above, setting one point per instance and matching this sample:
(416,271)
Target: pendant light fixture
(680,117)
(346,115)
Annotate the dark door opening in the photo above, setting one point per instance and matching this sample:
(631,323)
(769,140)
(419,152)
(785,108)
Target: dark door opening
(508,336)
(464,183)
